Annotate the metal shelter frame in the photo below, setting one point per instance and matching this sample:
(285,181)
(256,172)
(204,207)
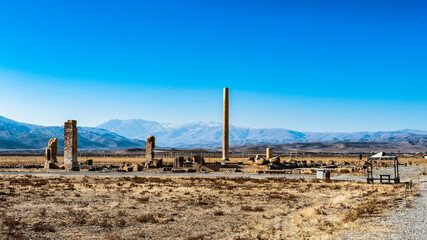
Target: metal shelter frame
(383,157)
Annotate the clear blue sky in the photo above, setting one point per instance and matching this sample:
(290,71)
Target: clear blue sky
(302,65)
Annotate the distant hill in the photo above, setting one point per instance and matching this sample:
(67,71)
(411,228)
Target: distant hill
(339,147)
(209,134)
(16,135)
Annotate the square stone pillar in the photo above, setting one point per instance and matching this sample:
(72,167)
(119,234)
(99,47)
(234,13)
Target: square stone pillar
(269,153)
(149,148)
(70,146)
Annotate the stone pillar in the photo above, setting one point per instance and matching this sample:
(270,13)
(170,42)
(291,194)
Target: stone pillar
(70,146)
(269,153)
(51,150)
(149,148)
(225,130)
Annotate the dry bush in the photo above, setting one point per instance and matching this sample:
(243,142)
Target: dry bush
(258,209)
(43,227)
(363,210)
(219,213)
(79,217)
(112,236)
(121,222)
(143,199)
(198,237)
(147,218)
(245,208)
(250,209)
(10,222)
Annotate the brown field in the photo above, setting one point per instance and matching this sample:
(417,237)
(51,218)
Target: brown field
(76,207)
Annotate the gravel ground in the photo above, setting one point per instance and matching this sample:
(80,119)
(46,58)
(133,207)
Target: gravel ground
(408,222)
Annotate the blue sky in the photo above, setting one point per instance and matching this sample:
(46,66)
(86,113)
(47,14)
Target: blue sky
(302,65)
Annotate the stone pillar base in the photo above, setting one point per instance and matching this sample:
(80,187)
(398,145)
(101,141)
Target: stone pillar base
(50,165)
(72,168)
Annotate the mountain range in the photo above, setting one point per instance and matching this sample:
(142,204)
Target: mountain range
(209,134)
(16,135)
(122,134)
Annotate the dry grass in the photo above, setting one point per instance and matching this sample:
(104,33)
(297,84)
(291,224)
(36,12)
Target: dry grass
(76,207)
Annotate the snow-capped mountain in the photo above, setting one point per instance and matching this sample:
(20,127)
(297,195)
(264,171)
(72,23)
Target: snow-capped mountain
(209,134)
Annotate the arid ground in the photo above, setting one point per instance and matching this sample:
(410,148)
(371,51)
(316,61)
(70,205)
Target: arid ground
(77,207)
(19,160)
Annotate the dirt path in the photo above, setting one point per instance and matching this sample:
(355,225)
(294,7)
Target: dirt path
(411,223)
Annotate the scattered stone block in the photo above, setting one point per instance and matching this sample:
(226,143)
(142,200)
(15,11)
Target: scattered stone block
(179,162)
(274,160)
(158,163)
(199,159)
(128,169)
(138,168)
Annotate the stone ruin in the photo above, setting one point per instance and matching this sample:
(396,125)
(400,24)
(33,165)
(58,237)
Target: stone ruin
(196,163)
(51,150)
(268,153)
(70,146)
(149,148)
(151,162)
(259,160)
(50,154)
(179,162)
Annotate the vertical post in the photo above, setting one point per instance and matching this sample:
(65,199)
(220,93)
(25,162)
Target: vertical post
(397,171)
(225,130)
(70,146)
(268,153)
(149,148)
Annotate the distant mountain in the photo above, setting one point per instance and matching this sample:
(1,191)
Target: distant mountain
(123,134)
(209,134)
(16,135)
(341,147)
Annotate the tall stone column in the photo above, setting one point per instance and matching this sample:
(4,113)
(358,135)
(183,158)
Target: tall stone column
(70,146)
(149,148)
(269,153)
(225,129)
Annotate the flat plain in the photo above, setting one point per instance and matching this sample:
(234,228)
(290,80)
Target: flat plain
(77,207)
